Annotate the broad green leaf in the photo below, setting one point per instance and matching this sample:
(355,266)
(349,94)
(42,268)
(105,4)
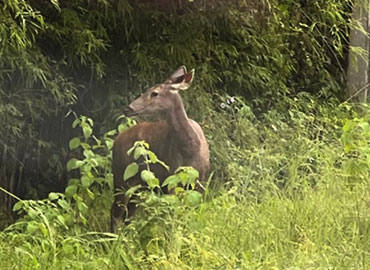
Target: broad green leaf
(32,213)
(18,206)
(110,133)
(153,183)
(73,181)
(140,151)
(74,143)
(70,191)
(86,181)
(53,196)
(147,175)
(109,144)
(152,157)
(64,204)
(171,181)
(179,190)
(193,197)
(130,171)
(150,179)
(85,145)
(88,153)
(193,173)
(72,164)
(82,206)
(121,127)
(87,131)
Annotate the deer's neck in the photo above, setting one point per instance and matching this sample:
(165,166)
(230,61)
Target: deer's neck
(181,127)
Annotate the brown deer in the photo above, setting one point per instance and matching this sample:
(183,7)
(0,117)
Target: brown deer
(177,140)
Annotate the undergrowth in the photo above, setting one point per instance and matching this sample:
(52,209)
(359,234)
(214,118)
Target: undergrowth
(289,191)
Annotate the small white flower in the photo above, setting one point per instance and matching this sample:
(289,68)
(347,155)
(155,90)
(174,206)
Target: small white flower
(230,100)
(223,105)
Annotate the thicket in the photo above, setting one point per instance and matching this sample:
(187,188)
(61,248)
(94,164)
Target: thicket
(93,57)
(290,161)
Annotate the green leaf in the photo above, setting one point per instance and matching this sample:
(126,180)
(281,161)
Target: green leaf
(86,181)
(121,127)
(74,163)
(73,181)
(109,144)
(150,179)
(74,143)
(85,145)
(82,206)
(71,190)
(170,199)
(179,190)
(90,194)
(32,228)
(61,220)
(88,153)
(110,133)
(90,121)
(32,213)
(87,131)
(147,175)
(152,157)
(171,181)
(192,173)
(76,122)
(188,175)
(140,151)
(193,198)
(64,204)
(67,248)
(53,196)
(132,190)
(153,183)
(18,206)
(130,171)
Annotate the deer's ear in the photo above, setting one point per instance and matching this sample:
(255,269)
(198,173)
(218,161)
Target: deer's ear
(185,83)
(188,78)
(179,75)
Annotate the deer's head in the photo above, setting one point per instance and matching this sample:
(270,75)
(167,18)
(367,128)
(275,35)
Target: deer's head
(160,97)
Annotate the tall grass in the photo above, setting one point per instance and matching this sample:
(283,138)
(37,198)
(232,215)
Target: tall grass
(298,198)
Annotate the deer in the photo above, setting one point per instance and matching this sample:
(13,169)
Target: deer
(177,140)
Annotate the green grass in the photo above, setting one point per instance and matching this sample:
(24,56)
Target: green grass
(326,227)
(295,201)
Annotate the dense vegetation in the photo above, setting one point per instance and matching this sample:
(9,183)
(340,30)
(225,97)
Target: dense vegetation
(290,159)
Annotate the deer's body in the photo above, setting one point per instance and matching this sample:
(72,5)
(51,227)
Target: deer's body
(177,140)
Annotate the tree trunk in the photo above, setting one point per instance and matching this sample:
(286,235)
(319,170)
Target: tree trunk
(358,64)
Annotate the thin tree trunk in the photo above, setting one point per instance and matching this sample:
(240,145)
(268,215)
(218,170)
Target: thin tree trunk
(358,64)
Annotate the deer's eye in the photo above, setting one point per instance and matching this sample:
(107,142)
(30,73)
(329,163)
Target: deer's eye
(154,94)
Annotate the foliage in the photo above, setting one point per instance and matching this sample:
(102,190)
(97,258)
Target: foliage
(91,56)
(290,188)
(293,202)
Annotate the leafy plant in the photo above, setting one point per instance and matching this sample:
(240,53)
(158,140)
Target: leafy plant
(94,169)
(182,181)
